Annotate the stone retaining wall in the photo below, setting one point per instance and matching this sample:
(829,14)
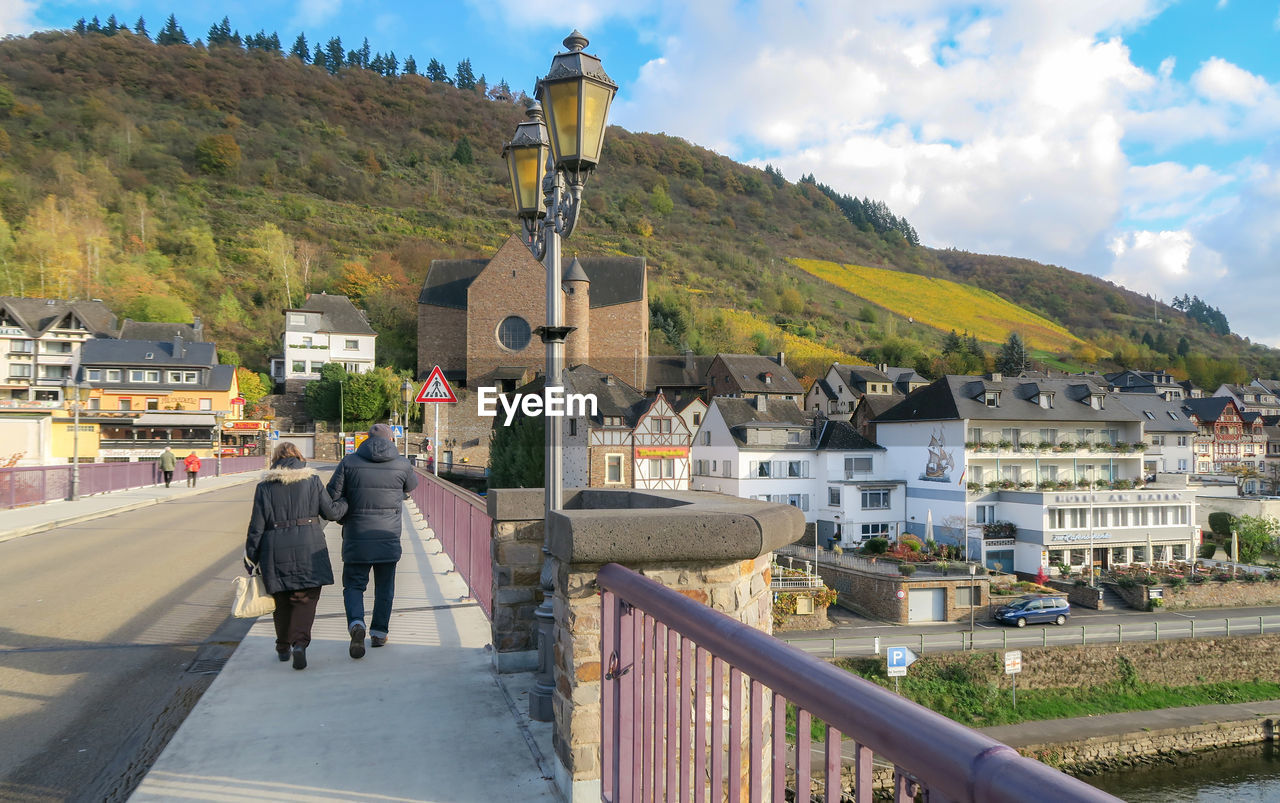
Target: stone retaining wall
(876,595)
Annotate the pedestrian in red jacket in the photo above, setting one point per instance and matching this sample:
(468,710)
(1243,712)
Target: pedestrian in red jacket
(192,464)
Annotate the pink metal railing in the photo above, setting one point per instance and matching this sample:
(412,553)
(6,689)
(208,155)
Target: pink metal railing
(658,711)
(35,485)
(461,522)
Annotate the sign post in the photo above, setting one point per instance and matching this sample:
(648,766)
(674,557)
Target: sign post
(437,391)
(1012,666)
(898,659)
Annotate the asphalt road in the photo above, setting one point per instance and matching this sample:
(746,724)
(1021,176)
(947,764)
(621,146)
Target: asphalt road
(110,630)
(855,636)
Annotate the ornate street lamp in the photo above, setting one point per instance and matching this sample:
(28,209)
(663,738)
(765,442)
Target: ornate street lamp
(74,390)
(218,418)
(557,157)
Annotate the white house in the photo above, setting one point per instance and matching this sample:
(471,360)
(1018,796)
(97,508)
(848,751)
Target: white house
(40,340)
(758,448)
(325,329)
(1168,431)
(1033,472)
(854,498)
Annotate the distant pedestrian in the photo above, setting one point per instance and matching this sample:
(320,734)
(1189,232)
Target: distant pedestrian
(374,482)
(286,542)
(168,462)
(192,464)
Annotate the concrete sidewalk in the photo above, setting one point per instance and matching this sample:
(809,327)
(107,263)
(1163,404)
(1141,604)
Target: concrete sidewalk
(22,521)
(423,719)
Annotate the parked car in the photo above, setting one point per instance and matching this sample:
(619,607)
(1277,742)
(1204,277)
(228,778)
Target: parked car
(1032,610)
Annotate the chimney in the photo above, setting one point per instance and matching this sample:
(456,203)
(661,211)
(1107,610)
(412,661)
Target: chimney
(178,349)
(197,326)
(883,367)
(688,361)
(997,377)
(781,359)
(761,404)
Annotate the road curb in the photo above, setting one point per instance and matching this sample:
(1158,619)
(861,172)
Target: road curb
(125,508)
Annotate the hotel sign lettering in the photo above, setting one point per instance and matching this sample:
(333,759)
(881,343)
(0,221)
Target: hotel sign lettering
(664,451)
(1075,538)
(1129,497)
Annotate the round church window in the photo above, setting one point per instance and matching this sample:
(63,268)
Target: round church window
(513,333)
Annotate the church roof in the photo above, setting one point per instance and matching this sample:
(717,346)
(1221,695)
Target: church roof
(614,280)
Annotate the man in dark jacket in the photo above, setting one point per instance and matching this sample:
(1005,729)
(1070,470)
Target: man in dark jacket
(374,482)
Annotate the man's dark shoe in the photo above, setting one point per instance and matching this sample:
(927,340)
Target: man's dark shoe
(357,642)
(299,657)
(377,641)
(283,655)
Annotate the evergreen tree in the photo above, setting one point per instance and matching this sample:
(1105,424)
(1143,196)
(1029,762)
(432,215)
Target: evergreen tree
(516,454)
(81,27)
(300,49)
(1184,347)
(951,343)
(1162,343)
(1012,358)
(464,78)
(334,56)
(112,26)
(319,58)
(378,65)
(410,66)
(462,152)
(1147,341)
(392,64)
(140,28)
(364,53)
(437,73)
(219,33)
(94,25)
(501,92)
(171,33)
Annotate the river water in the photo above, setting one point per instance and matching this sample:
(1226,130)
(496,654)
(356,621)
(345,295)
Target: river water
(1231,775)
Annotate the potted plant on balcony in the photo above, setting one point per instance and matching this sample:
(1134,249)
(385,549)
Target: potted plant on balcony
(1007,485)
(974,487)
(906,569)
(1065,446)
(1140,446)
(1047,485)
(1122,447)
(1102,484)
(1122,485)
(972,446)
(1045,446)
(994,485)
(1004,443)
(1083,483)
(1025,484)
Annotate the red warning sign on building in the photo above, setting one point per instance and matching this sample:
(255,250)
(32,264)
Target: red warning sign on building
(437,388)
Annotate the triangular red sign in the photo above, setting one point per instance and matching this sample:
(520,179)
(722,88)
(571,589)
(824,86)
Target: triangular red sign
(437,388)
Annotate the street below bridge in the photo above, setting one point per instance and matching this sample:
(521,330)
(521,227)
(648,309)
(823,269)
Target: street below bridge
(856,636)
(112,629)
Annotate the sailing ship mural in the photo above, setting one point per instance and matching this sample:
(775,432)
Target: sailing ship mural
(941,461)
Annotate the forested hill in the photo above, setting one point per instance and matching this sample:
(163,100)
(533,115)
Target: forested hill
(226,180)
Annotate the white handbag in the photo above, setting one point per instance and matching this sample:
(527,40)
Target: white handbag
(251,598)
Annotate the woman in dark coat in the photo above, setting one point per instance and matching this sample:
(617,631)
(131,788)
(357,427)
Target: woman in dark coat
(286,540)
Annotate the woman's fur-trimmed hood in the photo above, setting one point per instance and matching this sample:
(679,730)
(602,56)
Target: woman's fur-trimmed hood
(288,476)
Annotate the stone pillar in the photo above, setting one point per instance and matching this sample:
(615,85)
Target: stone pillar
(516,553)
(713,549)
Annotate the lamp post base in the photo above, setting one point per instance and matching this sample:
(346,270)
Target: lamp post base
(540,696)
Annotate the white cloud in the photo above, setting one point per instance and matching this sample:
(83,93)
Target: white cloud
(17,17)
(310,13)
(1221,81)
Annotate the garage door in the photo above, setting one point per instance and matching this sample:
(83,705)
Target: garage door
(927,605)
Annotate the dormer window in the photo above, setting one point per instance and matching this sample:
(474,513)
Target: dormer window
(1045,400)
(768,378)
(991,398)
(1095,401)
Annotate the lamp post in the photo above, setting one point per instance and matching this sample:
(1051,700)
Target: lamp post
(74,388)
(218,418)
(406,396)
(973,590)
(549,164)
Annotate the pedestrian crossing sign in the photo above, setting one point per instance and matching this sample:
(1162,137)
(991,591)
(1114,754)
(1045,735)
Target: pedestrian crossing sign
(436,389)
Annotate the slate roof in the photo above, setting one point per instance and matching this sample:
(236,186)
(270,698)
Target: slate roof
(741,414)
(878,404)
(340,315)
(155,330)
(220,377)
(961,397)
(903,376)
(1208,408)
(748,372)
(614,280)
(1166,416)
(1131,381)
(678,371)
(1269,385)
(613,396)
(860,374)
(825,389)
(134,352)
(840,436)
(39,315)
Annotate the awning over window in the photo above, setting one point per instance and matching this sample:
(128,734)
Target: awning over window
(175,420)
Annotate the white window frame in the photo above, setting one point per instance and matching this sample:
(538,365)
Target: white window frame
(870,495)
(114,374)
(614,460)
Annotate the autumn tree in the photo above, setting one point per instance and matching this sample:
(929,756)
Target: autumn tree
(218,155)
(251,385)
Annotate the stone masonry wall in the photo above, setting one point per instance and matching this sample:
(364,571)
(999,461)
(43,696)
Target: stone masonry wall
(876,595)
(739,589)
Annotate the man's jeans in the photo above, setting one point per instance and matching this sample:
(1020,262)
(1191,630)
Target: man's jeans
(355,579)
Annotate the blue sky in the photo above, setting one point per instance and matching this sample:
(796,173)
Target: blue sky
(1137,140)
